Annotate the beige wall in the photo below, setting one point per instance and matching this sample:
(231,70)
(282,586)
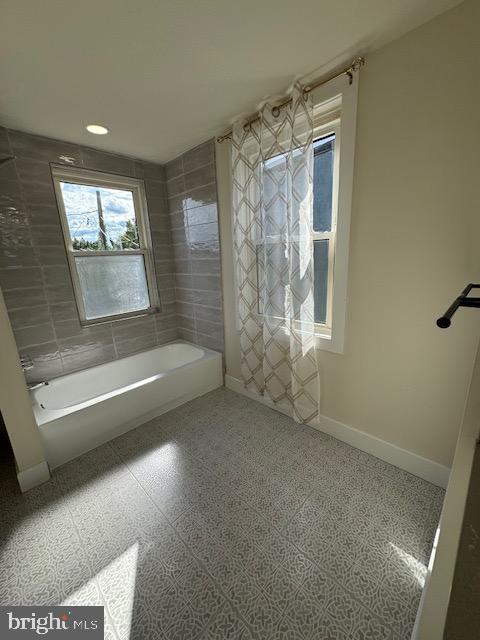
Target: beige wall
(414,242)
(15,403)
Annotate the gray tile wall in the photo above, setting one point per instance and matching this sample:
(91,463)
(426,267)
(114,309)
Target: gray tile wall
(192,204)
(34,274)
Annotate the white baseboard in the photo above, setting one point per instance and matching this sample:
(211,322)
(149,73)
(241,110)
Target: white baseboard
(33,476)
(407,460)
(417,465)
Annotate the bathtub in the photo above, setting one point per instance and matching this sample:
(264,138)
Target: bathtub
(80,411)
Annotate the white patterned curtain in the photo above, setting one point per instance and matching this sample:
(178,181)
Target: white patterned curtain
(272,165)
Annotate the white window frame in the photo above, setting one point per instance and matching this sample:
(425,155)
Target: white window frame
(335,106)
(61,173)
(321,131)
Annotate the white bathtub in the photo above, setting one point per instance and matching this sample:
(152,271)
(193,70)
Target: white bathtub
(80,411)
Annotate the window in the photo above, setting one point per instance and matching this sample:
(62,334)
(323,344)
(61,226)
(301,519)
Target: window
(108,243)
(335,106)
(334,134)
(334,144)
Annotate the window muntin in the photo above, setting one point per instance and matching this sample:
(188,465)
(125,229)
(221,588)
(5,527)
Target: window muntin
(108,243)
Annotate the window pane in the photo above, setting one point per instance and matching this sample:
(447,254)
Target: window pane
(112,284)
(323,183)
(100,218)
(320,265)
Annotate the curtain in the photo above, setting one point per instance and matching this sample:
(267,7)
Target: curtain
(272,167)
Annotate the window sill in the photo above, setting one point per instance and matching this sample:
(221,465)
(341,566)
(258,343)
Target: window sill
(327,342)
(324,340)
(323,332)
(119,317)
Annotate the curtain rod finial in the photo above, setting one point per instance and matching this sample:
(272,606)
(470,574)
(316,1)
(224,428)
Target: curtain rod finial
(357,62)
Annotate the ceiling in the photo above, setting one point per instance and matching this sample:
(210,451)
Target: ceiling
(164,75)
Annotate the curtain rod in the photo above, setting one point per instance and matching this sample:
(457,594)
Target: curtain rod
(354,66)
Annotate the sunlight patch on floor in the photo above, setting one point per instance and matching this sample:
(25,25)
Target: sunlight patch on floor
(114,588)
(417,568)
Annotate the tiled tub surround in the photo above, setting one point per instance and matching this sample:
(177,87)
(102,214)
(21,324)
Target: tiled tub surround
(192,203)
(34,274)
(224,520)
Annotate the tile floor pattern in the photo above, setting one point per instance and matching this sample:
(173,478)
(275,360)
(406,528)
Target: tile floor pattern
(224,520)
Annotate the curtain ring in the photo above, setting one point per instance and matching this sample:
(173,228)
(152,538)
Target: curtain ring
(275,111)
(305,93)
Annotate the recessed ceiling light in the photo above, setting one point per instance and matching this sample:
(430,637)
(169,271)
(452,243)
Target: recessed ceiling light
(97,129)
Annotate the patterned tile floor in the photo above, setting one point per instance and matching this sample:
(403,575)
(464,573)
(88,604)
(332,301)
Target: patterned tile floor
(224,520)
